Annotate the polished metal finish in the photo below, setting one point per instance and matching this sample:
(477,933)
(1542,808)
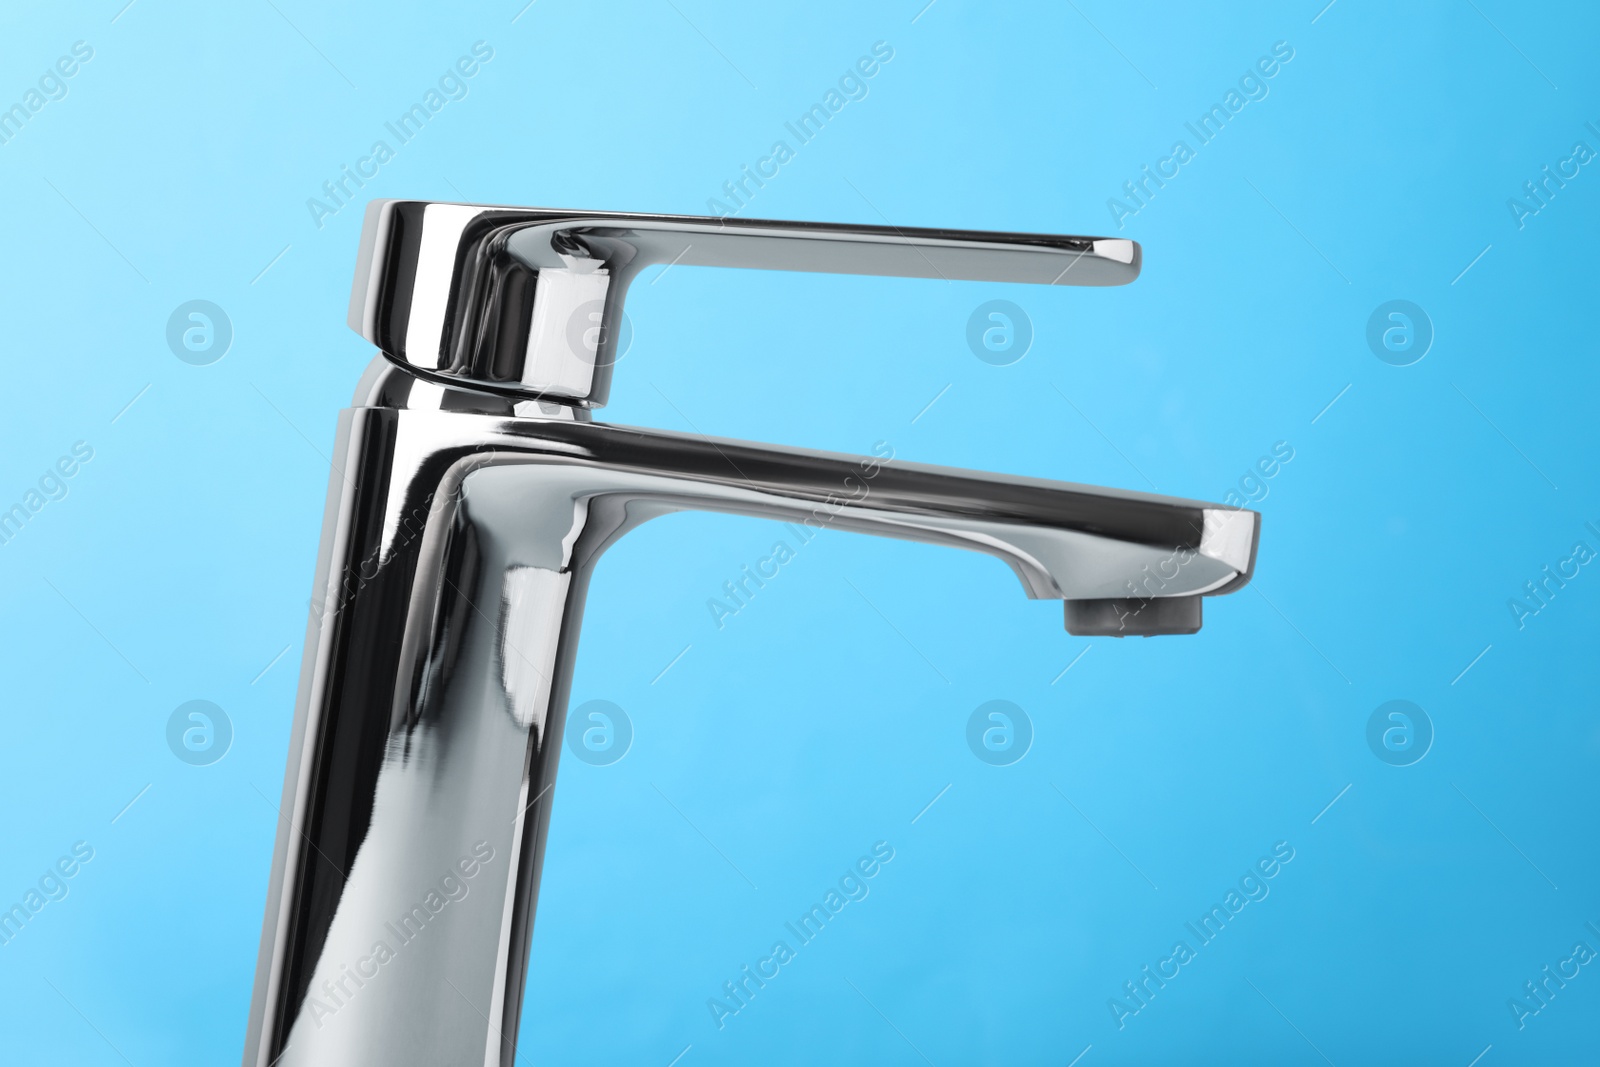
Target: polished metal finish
(527,302)
(463,526)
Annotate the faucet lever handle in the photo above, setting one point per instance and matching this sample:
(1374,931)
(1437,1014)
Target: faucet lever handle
(527,301)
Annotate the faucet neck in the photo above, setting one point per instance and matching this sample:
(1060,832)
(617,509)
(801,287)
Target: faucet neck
(388,384)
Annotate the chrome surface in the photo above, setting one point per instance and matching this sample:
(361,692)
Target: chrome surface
(527,302)
(462,528)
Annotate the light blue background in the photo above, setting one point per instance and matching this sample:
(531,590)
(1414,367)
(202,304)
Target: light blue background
(824,718)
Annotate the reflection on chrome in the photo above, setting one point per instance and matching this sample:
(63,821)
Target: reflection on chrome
(471,497)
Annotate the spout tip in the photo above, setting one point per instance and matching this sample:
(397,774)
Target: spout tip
(1133,617)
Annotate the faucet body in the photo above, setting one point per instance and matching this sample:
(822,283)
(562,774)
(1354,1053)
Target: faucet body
(463,526)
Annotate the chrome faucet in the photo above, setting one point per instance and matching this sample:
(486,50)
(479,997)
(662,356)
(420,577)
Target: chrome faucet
(470,500)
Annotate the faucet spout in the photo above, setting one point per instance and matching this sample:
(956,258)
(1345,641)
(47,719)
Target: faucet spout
(440,657)
(1076,543)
